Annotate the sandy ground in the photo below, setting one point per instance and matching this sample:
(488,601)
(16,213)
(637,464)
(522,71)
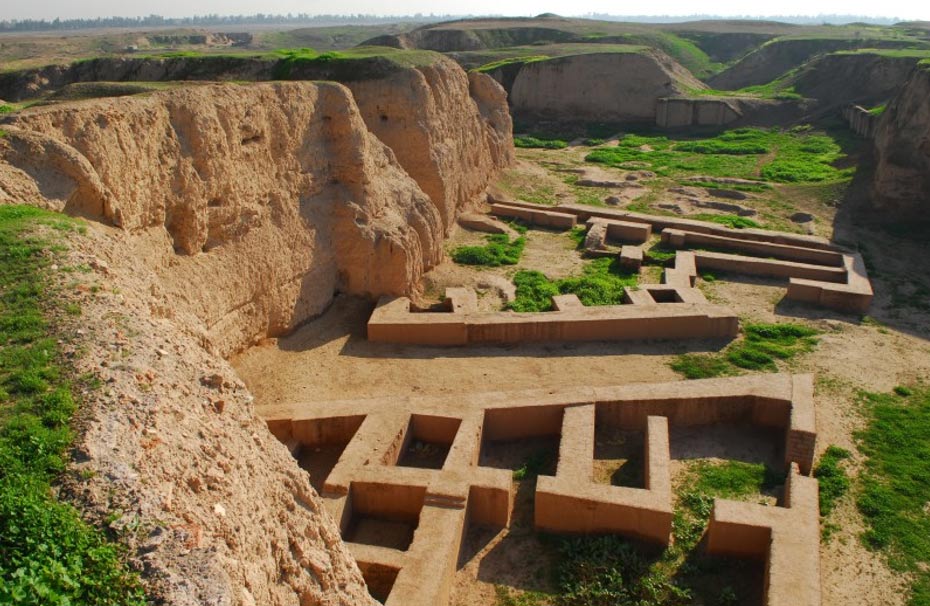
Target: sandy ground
(330,358)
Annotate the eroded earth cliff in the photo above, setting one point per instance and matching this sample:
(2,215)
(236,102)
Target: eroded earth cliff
(901,186)
(608,87)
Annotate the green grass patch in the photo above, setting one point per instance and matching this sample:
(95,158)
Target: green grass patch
(895,483)
(659,253)
(602,282)
(7,109)
(701,366)
(745,187)
(832,477)
(878,110)
(577,235)
(50,555)
(500,250)
(540,142)
(794,156)
(732,221)
(493,65)
(764,343)
(731,479)
(762,346)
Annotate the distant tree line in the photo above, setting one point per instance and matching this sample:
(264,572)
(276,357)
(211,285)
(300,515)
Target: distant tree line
(34,25)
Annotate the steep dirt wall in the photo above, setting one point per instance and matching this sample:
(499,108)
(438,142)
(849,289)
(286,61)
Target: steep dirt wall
(840,79)
(171,457)
(448,129)
(270,197)
(608,87)
(433,115)
(901,185)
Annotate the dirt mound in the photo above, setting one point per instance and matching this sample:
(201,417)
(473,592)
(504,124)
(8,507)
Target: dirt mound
(450,40)
(272,196)
(599,87)
(779,56)
(862,78)
(901,186)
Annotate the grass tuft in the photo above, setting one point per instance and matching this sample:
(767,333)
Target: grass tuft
(499,250)
(833,480)
(762,346)
(700,366)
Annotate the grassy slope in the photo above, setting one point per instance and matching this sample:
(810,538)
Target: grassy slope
(50,557)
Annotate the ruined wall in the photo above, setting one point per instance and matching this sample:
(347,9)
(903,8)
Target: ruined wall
(608,87)
(269,197)
(901,185)
(860,120)
(680,112)
(683,112)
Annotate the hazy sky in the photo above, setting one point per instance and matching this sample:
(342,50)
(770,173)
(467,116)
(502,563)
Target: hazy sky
(49,9)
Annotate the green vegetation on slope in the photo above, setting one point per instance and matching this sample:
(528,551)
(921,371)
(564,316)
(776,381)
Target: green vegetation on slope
(762,346)
(893,53)
(601,283)
(895,484)
(293,58)
(493,65)
(795,156)
(499,250)
(50,557)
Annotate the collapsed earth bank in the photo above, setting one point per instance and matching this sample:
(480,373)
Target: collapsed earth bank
(901,184)
(221,214)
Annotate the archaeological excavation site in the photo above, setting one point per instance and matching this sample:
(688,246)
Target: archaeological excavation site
(536,311)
